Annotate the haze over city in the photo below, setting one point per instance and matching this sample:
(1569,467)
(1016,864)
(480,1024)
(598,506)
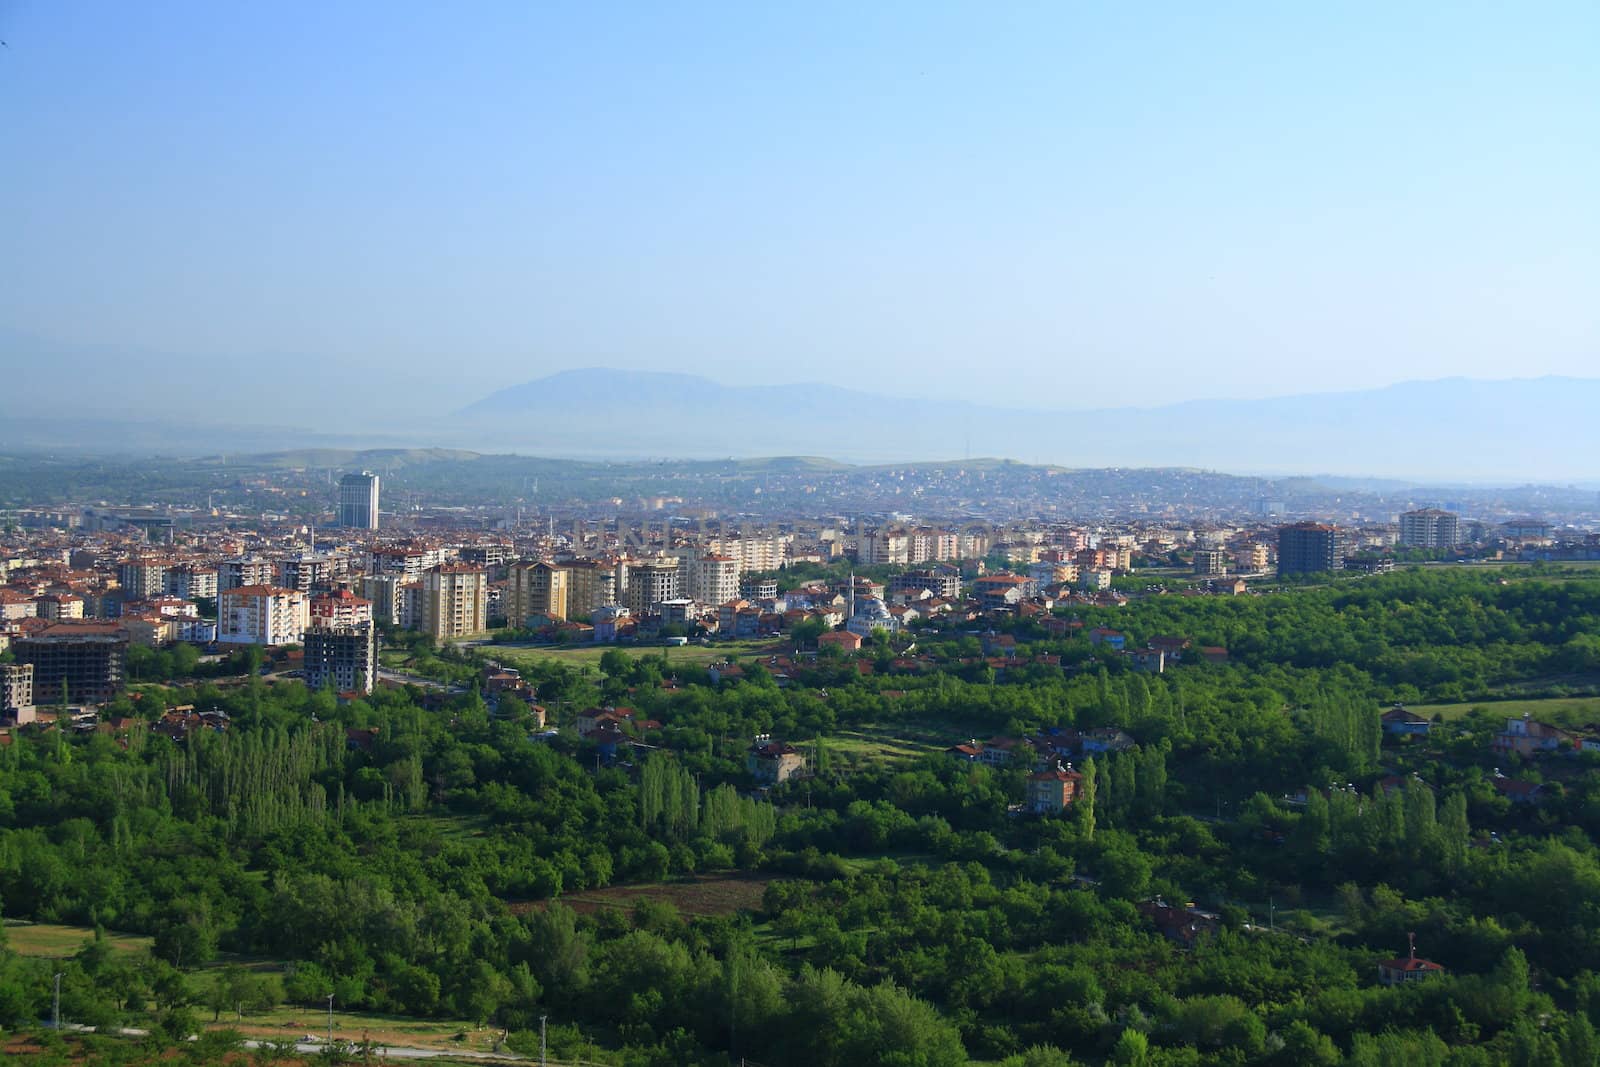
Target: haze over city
(1040,534)
(1055,206)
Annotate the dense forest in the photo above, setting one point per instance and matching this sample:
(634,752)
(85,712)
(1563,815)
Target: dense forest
(410,852)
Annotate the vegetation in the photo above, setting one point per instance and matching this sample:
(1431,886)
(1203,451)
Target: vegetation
(439,862)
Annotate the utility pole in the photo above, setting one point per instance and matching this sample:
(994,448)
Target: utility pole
(330,1020)
(542,1061)
(55,1011)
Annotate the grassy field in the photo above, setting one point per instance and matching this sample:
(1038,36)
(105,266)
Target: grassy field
(873,746)
(589,655)
(1557,711)
(53,941)
(703,896)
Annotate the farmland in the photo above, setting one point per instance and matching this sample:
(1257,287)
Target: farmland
(1557,711)
(56,941)
(704,896)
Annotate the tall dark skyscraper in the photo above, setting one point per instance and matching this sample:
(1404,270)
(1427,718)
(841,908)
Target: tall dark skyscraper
(358,501)
(1311,548)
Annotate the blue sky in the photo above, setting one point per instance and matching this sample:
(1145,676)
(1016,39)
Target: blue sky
(1098,204)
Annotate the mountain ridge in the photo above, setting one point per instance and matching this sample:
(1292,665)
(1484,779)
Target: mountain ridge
(1521,429)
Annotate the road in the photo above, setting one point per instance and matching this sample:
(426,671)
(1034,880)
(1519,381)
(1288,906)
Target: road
(402,678)
(394,1053)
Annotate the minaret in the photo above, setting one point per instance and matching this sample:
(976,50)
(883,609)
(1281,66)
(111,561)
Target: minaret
(850,599)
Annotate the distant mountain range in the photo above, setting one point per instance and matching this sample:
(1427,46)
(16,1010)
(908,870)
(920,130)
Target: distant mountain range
(1451,430)
(1457,429)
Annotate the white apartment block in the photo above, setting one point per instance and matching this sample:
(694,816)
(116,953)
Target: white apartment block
(1430,528)
(713,580)
(407,563)
(765,553)
(883,547)
(262,615)
(242,571)
(307,570)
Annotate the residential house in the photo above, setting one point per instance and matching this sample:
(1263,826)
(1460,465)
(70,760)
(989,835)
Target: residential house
(1526,737)
(1052,790)
(1186,925)
(773,762)
(1407,968)
(1400,722)
(1114,639)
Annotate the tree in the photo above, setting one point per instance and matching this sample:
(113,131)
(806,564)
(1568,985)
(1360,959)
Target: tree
(559,952)
(1087,797)
(1579,1045)
(1131,1050)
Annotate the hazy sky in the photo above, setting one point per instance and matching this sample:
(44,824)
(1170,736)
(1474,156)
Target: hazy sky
(1096,204)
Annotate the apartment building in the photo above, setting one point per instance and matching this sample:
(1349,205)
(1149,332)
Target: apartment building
(591,585)
(306,571)
(713,579)
(343,656)
(1210,561)
(16,690)
(190,581)
(1430,528)
(877,547)
(383,592)
(406,563)
(1252,558)
(242,571)
(262,615)
(340,608)
(455,601)
(939,581)
(752,553)
(536,589)
(84,662)
(142,578)
(15,605)
(650,582)
(59,606)
(1311,548)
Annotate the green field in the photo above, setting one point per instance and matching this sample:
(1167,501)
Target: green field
(589,655)
(1557,711)
(877,746)
(54,941)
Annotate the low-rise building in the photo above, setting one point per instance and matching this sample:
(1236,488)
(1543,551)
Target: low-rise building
(773,762)
(1052,790)
(1408,968)
(1401,722)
